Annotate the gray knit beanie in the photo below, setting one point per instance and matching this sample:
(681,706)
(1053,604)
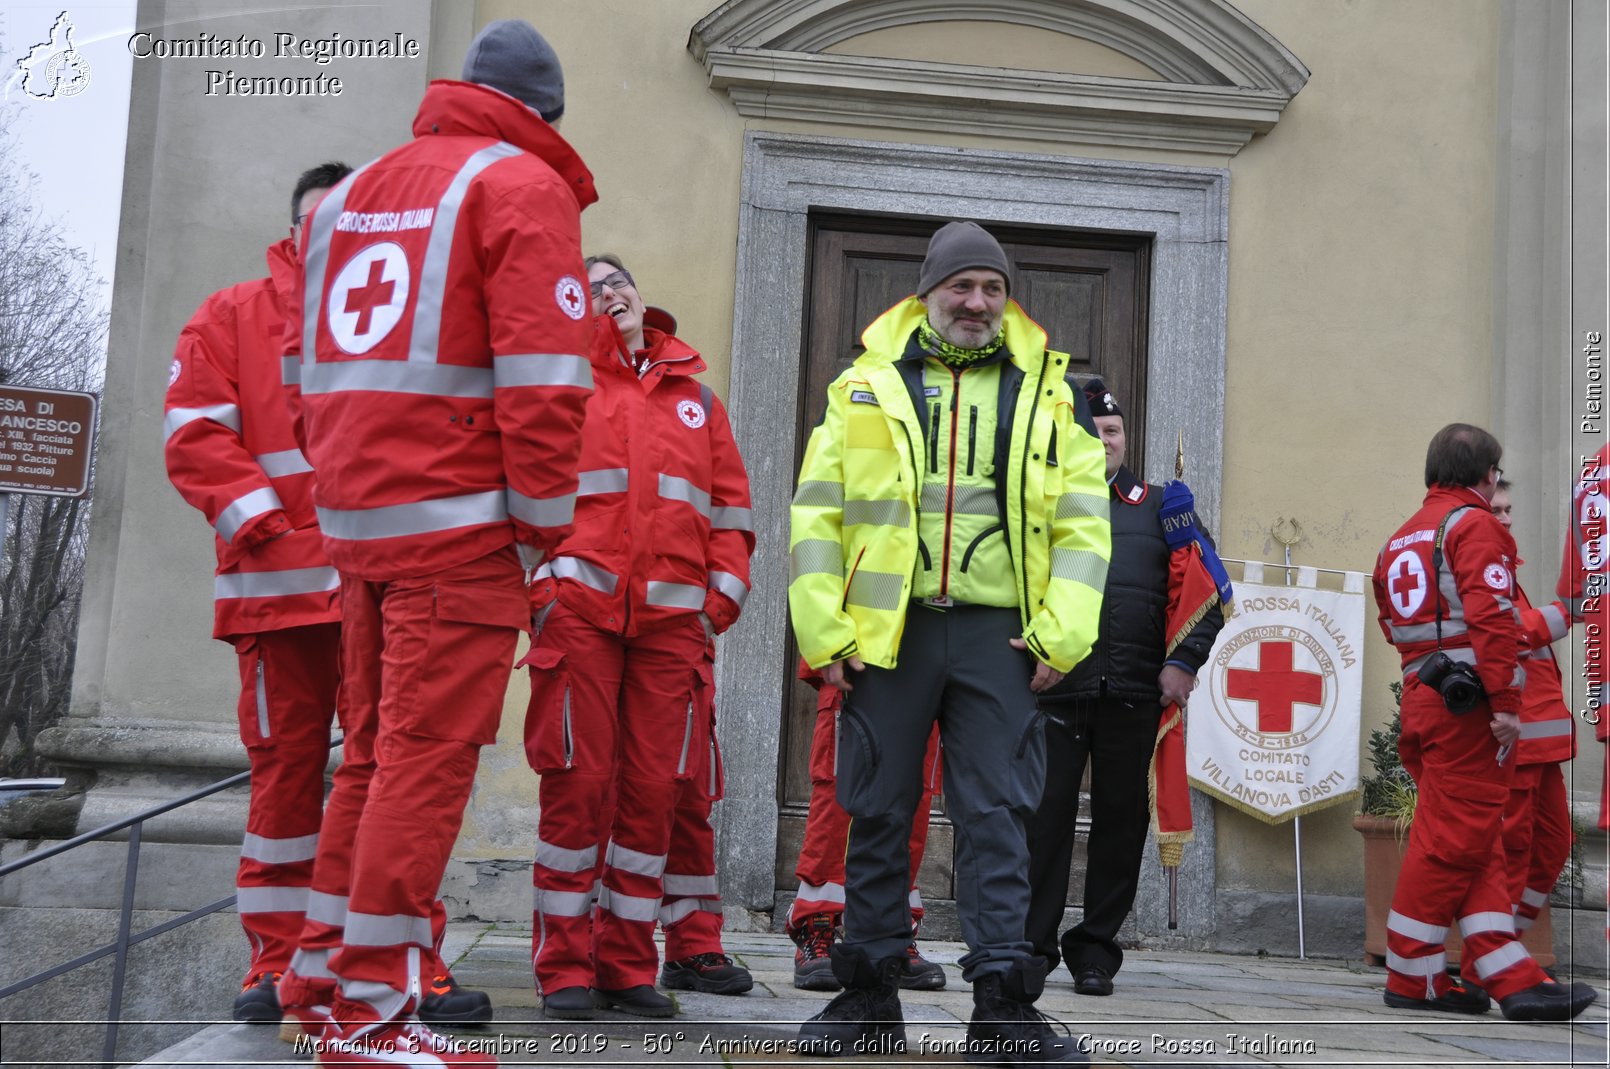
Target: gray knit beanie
(511,56)
(956,247)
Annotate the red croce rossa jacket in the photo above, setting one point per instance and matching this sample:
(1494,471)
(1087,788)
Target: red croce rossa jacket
(444,373)
(1547,727)
(230,453)
(1475,588)
(663,524)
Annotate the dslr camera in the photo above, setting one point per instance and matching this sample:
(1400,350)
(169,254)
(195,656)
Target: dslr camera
(1456,681)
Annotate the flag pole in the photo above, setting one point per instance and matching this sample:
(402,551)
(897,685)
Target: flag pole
(1297,821)
(1173,871)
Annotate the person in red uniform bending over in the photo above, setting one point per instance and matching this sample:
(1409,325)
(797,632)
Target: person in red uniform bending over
(443,381)
(1445,587)
(232,454)
(621,685)
(1537,818)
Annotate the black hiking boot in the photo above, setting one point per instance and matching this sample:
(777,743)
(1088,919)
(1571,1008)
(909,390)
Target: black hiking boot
(1006,1029)
(865,1018)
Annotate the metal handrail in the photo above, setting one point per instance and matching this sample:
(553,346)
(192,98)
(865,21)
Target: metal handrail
(125,939)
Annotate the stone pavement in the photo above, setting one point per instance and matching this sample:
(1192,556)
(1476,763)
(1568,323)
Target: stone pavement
(1169,1009)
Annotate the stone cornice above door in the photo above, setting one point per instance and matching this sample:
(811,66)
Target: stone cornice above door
(1225,78)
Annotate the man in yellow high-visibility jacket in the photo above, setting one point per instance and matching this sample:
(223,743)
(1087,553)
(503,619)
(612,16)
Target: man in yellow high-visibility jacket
(949,549)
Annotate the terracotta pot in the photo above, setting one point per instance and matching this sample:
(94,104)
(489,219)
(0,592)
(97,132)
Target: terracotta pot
(1384,848)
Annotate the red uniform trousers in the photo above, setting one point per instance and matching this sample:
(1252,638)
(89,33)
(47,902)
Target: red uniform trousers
(609,715)
(690,913)
(425,666)
(1537,838)
(288,681)
(1454,868)
(827,826)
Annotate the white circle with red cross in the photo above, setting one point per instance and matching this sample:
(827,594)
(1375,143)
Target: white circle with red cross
(571,297)
(1406,585)
(691,413)
(368,297)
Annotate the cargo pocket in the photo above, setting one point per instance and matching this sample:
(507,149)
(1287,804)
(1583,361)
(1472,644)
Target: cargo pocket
(1461,817)
(550,743)
(252,709)
(857,763)
(709,780)
(1027,772)
(473,632)
(695,724)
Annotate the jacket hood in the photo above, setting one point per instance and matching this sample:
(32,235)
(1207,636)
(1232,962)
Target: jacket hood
(470,109)
(661,346)
(283,267)
(885,338)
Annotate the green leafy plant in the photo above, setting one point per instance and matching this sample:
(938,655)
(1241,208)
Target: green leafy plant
(1390,792)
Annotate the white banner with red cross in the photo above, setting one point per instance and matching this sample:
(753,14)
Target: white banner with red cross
(1273,727)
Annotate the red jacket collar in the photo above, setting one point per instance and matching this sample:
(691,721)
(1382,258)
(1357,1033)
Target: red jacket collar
(283,267)
(467,108)
(676,356)
(1456,495)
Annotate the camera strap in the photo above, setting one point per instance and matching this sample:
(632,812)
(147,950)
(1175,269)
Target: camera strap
(1436,563)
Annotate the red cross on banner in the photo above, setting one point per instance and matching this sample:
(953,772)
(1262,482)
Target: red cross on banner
(1275,685)
(366,298)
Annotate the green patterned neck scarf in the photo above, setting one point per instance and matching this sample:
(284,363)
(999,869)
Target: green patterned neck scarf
(952,355)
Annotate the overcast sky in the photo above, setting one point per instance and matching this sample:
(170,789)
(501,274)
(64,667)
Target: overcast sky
(74,143)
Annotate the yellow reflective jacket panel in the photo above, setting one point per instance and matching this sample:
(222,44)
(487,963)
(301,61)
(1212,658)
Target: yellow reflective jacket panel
(853,546)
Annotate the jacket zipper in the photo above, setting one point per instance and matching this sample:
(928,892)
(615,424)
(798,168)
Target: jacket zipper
(687,742)
(564,722)
(972,436)
(262,698)
(950,481)
(933,440)
(1024,608)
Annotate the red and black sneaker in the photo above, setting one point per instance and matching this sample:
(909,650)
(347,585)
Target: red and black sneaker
(919,973)
(813,962)
(259,1000)
(447,1003)
(713,973)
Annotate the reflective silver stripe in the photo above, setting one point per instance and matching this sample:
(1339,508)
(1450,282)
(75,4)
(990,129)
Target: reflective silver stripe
(1498,960)
(584,572)
(976,501)
(1518,680)
(564,859)
(682,908)
(1430,965)
(316,261)
(1427,632)
(385,1002)
(1486,922)
(601,481)
(1071,506)
(732,518)
(1547,729)
(564,903)
(815,556)
(888,512)
(245,508)
(279,851)
(629,907)
(386,930)
(876,590)
(228,415)
(417,517)
(278,584)
(730,585)
(542,369)
(270,899)
(933,496)
(327,908)
(825,892)
(313,964)
(542,511)
(626,859)
(262,698)
(424,343)
(1425,933)
(1079,566)
(1554,618)
(819,494)
(1508,606)
(396,376)
(291,370)
(1542,653)
(692,886)
(1534,898)
(1522,924)
(914,899)
(285,462)
(673,488)
(674,595)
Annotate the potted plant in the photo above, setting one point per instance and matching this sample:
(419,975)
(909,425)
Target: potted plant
(1387,800)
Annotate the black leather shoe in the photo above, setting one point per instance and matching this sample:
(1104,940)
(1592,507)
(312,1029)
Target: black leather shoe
(1457,999)
(447,1003)
(639,1001)
(1092,980)
(258,1001)
(570,1004)
(1548,1002)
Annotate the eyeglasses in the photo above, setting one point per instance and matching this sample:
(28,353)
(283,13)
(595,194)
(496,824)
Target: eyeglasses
(1499,471)
(618,281)
(298,220)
